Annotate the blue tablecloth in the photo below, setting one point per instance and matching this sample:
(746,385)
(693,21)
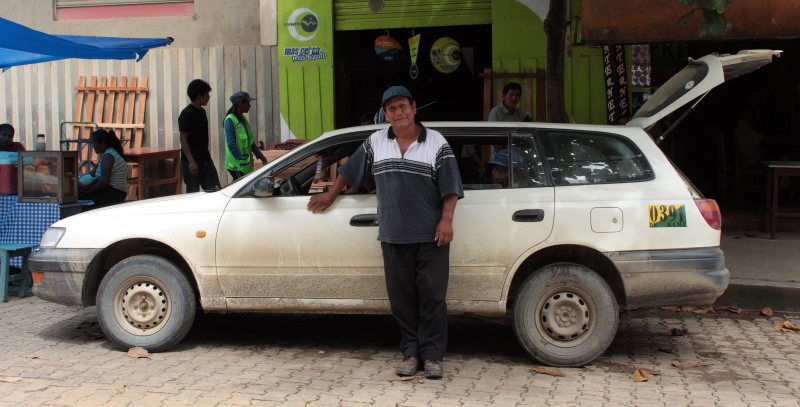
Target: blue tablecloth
(25,223)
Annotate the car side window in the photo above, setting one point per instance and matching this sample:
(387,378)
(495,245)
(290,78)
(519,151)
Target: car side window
(528,168)
(317,171)
(474,155)
(487,161)
(578,158)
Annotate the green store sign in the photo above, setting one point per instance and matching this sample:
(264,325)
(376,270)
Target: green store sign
(305,59)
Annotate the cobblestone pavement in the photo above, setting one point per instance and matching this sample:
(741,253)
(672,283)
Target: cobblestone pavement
(53,355)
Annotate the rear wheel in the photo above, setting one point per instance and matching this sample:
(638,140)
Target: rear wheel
(145,301)
(565,315)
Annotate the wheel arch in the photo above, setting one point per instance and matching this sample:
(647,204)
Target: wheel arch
(123,249)
(577,254)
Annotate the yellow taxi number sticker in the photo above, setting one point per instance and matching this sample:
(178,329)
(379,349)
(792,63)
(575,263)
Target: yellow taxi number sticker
(667,216)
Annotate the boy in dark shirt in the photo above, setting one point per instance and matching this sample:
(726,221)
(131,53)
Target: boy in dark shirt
(196,163)
(7,142)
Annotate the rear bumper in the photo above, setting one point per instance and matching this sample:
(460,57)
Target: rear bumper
(654,278)
(64,273)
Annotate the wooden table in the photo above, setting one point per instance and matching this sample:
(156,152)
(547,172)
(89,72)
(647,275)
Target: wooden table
(776,170)
(141,156)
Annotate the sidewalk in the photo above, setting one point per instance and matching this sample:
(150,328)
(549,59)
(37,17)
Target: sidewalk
(764,272)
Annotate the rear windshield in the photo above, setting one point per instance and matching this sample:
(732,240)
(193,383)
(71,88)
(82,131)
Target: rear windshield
(674,88)
(578,158)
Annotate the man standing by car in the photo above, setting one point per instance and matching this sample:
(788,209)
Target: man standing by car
(418,185)
(507,111)
(196,163)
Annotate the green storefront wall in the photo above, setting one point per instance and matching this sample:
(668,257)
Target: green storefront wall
(518,42)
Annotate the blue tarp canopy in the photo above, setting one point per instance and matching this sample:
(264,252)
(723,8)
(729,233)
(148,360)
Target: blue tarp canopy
(20,45)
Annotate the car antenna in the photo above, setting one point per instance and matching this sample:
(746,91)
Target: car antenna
(426,105)
(680,119)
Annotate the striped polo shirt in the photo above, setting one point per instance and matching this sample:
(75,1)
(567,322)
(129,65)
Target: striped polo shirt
(410,187)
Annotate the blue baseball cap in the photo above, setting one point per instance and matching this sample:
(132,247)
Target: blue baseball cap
(501,158)
(241,96)
(394,92)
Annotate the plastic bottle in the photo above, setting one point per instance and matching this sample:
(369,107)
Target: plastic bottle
(40,143)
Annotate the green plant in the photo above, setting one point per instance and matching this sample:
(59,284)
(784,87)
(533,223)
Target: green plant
(714,21)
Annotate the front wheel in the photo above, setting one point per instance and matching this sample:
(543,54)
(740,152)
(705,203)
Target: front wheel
(565,315)
(145,301)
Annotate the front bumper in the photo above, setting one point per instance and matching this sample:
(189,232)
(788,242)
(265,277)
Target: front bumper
(654,278)
(64,273)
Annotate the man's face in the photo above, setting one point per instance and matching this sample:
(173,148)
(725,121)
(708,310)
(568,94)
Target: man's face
(6,137)
(511,99)
(400,112)
(500,175)
(204,98)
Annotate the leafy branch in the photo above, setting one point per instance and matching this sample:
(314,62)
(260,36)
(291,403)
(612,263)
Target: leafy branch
(714,21)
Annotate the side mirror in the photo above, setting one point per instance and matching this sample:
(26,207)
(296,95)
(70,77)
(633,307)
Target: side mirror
(264,187)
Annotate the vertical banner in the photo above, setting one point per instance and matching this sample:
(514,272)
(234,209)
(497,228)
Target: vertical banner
(616,83)
(305,58)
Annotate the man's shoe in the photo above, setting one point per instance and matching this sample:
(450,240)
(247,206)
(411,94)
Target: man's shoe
(434,369)
(408,367)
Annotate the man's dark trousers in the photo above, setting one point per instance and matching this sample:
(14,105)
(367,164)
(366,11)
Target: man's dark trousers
(416,279)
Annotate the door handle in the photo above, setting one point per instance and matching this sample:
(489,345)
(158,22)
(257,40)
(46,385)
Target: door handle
(368,219)
(528,215)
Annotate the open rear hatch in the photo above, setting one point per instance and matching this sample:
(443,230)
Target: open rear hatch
(696,80)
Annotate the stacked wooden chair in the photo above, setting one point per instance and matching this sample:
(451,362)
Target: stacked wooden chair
(111,103)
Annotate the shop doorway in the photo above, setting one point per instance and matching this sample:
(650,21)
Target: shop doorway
(362,75)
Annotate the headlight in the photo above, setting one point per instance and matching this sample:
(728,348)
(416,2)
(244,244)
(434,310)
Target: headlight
(51,237)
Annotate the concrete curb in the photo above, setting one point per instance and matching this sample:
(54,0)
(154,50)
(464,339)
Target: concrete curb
(757,294)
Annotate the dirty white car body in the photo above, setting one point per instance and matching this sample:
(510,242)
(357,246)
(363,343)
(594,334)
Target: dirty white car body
(560,254)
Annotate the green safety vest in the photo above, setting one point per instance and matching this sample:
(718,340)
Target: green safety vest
(244,140)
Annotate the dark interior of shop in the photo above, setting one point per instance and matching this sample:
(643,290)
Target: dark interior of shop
(362,75)
(709,146)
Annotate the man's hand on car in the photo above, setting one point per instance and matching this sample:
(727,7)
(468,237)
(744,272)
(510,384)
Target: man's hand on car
(321,202)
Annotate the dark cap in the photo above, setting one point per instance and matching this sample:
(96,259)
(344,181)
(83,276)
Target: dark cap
(501,158)
(394,92)
(241,96)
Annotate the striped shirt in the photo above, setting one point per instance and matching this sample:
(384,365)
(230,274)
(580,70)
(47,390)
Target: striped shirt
(410,186)
(119,172)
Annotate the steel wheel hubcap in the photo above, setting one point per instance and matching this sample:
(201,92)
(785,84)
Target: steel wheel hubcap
(565,318)
(142,306)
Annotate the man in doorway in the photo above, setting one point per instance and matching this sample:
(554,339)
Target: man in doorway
(418,185)
(196,163)
(507,111)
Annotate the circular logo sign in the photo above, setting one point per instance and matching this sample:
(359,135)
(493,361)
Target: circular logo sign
(387,48)
(303,24)
(446,55)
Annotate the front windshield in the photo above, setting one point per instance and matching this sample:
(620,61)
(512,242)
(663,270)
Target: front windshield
(674,88)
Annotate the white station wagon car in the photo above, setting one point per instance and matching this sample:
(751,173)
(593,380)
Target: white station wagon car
(592,219)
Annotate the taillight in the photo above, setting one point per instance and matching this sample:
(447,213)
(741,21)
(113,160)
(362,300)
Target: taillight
(710,211)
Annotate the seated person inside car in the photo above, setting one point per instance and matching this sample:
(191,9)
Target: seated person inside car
(500,172)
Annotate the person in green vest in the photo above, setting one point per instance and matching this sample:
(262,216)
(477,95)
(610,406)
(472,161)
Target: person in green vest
(240,144)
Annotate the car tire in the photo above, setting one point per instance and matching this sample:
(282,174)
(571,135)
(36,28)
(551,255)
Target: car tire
(145,301)
(565,315)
